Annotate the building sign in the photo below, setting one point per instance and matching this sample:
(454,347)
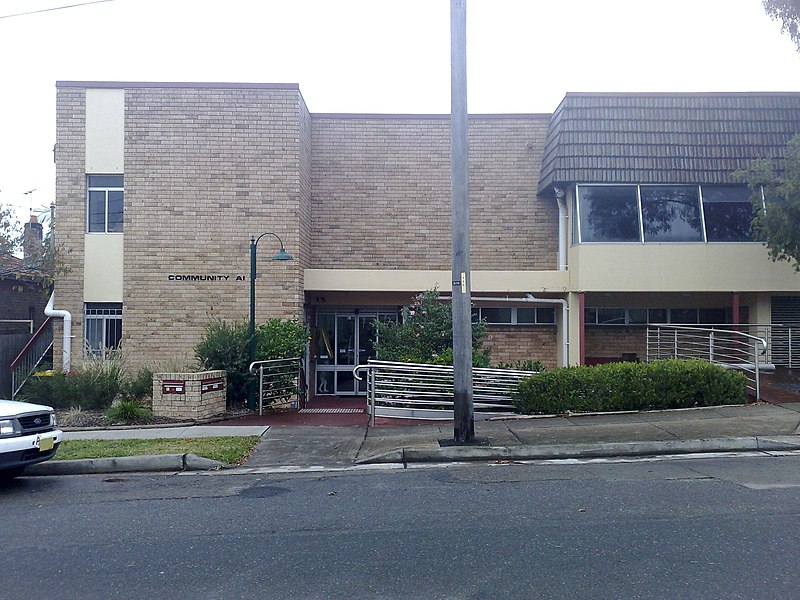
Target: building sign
(205,277)
(173,386)
(212,385)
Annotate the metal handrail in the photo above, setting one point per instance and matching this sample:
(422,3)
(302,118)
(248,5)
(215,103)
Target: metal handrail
(279,379)
(728,348)
(425,387)
(31,356)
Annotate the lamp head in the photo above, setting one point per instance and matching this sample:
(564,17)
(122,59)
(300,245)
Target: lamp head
(282,255)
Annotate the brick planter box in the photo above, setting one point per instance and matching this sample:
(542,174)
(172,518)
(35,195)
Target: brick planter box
(191,396)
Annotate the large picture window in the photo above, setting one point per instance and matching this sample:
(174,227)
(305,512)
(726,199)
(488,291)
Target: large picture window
(671,213)
(105,204)
(609,213)
(103,327)
(728,213)
(661,213)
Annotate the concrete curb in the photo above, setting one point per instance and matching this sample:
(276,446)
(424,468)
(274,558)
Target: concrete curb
(597,450)
(125,464)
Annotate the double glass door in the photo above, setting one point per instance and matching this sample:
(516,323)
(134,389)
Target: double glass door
(344,339)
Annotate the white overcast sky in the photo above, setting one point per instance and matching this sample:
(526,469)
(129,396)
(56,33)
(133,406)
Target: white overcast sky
(382,56)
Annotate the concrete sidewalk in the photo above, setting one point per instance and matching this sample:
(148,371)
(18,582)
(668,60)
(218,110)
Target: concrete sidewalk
(714,429)
(724,428)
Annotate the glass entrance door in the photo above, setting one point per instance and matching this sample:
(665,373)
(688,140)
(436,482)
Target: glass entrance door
(345,338)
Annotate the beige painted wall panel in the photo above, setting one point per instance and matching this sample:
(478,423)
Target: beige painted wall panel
(105,131)
(678,267)
(414,281)
(102,280)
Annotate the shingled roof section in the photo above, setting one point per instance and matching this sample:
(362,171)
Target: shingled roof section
(664,138)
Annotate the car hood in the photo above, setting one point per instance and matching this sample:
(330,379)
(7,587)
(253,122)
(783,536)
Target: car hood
(10,408)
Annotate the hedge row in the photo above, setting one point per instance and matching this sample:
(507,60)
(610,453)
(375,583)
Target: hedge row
(630,386)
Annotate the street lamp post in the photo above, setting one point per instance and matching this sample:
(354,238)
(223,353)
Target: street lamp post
(281,255)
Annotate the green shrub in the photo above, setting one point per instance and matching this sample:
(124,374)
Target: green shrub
(140,386)
(425,334)
(92,386)
(129,412)
(630,386)
(524,365)
(226,346)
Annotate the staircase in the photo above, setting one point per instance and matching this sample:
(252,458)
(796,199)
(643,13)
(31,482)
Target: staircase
(31,356)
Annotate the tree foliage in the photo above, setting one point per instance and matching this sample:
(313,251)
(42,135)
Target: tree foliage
(788,13)
(10,231)
(226,346)
(425,334)
(776,203)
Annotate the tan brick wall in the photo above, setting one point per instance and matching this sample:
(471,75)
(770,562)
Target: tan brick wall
(612,342)
(381,193)
(510,344)
(70,215)
(193,404)
(205,170)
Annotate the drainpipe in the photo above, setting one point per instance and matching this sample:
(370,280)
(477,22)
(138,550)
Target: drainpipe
(562,229)
(530,298)
(67,338)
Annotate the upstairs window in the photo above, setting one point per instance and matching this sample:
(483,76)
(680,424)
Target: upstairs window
(661,213)
(105,204)
(728,213)
(671,213)
(608,213)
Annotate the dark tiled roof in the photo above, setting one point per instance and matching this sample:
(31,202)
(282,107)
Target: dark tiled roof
(12,267)
(664,138)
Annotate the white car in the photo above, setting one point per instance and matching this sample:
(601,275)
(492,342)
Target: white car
(28,435)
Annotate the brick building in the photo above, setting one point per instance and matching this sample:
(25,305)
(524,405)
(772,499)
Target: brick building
(586,224)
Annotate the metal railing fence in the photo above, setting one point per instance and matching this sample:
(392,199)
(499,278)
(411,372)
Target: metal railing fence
(728,348)
(280,381)
(31,356)
(421,391)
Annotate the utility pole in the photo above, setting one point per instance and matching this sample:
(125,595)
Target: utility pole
(463,417)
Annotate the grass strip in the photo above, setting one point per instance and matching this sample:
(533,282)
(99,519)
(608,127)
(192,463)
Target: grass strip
(229,450)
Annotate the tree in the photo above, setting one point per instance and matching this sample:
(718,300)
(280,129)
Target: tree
(10,231)
(776,203)
(788,13)
(425,334)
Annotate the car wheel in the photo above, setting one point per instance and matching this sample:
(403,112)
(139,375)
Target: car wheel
(9,474)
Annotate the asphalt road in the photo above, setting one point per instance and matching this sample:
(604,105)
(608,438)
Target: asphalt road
(702,528)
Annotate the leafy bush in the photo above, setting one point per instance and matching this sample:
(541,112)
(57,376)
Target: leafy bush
(92,386)
(524,365)
(226,346)
(425,334)
(140,386)
(630,386)
(129,412)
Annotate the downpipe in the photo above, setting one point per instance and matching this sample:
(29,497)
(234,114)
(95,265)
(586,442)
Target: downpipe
(67,333)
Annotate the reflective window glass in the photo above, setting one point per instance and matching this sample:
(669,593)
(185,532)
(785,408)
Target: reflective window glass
(671,213)
(637,316)
(496,315)
(608,213)
(526,315)
(728,213)
(683,316)
(546,315)
(611,316)
(97,211)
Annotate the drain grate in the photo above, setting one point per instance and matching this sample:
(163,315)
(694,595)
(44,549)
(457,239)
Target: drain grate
(331,411)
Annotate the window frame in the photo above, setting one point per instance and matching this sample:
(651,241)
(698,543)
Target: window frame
(105,189)
(477,314)
(99,316)
(578,233)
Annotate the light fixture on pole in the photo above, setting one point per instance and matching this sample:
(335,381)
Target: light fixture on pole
(282,254)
